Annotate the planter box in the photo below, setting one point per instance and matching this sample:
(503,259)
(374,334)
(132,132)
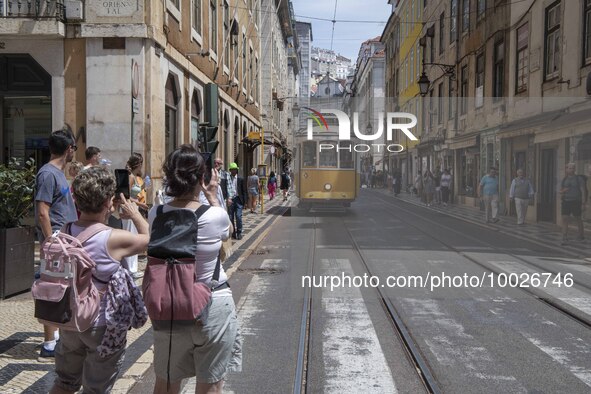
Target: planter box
(17,264)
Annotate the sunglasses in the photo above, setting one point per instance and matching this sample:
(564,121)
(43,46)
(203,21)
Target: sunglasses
(74,147)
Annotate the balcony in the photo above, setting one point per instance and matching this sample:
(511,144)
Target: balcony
(32,17)
(37,9)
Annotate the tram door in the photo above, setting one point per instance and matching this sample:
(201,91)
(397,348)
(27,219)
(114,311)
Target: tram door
(547,202)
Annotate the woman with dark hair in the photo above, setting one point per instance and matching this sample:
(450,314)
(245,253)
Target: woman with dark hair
(207,351)
(137,194)
(92,359)
(272,185)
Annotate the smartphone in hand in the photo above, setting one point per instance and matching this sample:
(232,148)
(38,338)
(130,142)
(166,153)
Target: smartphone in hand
(122,180)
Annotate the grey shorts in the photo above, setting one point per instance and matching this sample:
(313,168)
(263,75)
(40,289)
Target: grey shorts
(207,352)
(77,363)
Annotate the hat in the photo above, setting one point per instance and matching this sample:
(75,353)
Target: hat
(233,166)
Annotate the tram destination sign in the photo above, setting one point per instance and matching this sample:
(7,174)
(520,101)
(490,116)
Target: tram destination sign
(387,122)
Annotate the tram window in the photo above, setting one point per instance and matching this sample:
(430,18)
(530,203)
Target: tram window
(309,154)
(328,157)
(345,156)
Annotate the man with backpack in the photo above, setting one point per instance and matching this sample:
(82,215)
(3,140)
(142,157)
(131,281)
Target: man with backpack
(54,205)
(573,190)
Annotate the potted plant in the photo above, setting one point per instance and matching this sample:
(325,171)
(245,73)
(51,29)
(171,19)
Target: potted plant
(17,242)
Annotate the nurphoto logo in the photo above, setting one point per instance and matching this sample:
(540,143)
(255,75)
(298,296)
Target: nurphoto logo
(391,121)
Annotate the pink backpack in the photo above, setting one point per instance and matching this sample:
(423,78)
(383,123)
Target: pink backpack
(65,295)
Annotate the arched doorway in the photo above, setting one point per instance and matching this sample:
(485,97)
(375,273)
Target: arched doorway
(236,151)
(25,109)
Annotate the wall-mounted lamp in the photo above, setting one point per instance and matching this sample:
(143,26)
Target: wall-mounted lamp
(448,69)
(203,52)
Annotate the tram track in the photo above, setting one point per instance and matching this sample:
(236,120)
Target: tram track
(419,363)
(537,294)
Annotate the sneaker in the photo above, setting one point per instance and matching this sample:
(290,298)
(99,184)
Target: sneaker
(238,236)
(46,355)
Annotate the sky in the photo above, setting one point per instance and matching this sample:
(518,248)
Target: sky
(347,36)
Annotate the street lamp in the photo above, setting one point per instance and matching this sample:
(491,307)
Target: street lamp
(448,69)
(424,83)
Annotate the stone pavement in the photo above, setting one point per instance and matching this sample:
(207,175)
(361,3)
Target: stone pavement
(542,233)
(21,335)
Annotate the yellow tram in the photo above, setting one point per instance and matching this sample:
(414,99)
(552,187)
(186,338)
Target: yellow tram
(327,170)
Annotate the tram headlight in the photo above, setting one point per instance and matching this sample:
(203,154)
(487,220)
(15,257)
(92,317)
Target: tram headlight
(327,187)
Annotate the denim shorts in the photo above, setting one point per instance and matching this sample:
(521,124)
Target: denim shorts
(207,351)
(77,363)
(253,191)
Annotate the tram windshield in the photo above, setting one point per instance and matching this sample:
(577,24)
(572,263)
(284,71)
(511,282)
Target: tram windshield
(309,154)
(345,156)
(328,157)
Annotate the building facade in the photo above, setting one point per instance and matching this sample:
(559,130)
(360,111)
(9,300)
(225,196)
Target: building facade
(132,76)
(506,87)
(305,39)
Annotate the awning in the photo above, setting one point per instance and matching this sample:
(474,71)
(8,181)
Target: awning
(464,141)
(570,124)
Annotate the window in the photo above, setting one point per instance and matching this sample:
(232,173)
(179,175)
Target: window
(197,139)
(244,49)
(440,104)
(499,69)
(235,52)
(226,43)
(464,90)
(480,9)
(452,103)
(587,33)
(250,76)
(466,16)
(346,155)
(552,47)
(522,58)
(256,85)
(170,115)
(196,16)
(479,94)
(309,154)
(453,23)
(412,63)
(213,26)
(418,61)
(441,32)
(176,3)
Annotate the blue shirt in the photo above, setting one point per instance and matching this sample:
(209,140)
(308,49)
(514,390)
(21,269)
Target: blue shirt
(491,185)
(52,188)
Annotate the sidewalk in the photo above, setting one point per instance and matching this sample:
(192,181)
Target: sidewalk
(21,335)
(542,233)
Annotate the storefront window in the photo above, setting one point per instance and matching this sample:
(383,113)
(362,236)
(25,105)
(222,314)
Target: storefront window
(26,125)
(309,154)
(469,173)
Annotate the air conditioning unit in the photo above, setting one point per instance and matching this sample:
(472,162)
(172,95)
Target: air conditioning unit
(74,10)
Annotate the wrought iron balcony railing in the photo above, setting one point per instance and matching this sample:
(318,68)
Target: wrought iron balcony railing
(33,9)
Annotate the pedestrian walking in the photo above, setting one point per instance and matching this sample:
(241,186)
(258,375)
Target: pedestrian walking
(285,184)
(237,198)
(419,185)
(137,194)
(254,189)
(397,182)
(573,191)
(272,185)
(54,206)
(207,350)
(445,184)
(437,178)
(428,187)
(489,194)
(92,156)
(521,192)
(92,359)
